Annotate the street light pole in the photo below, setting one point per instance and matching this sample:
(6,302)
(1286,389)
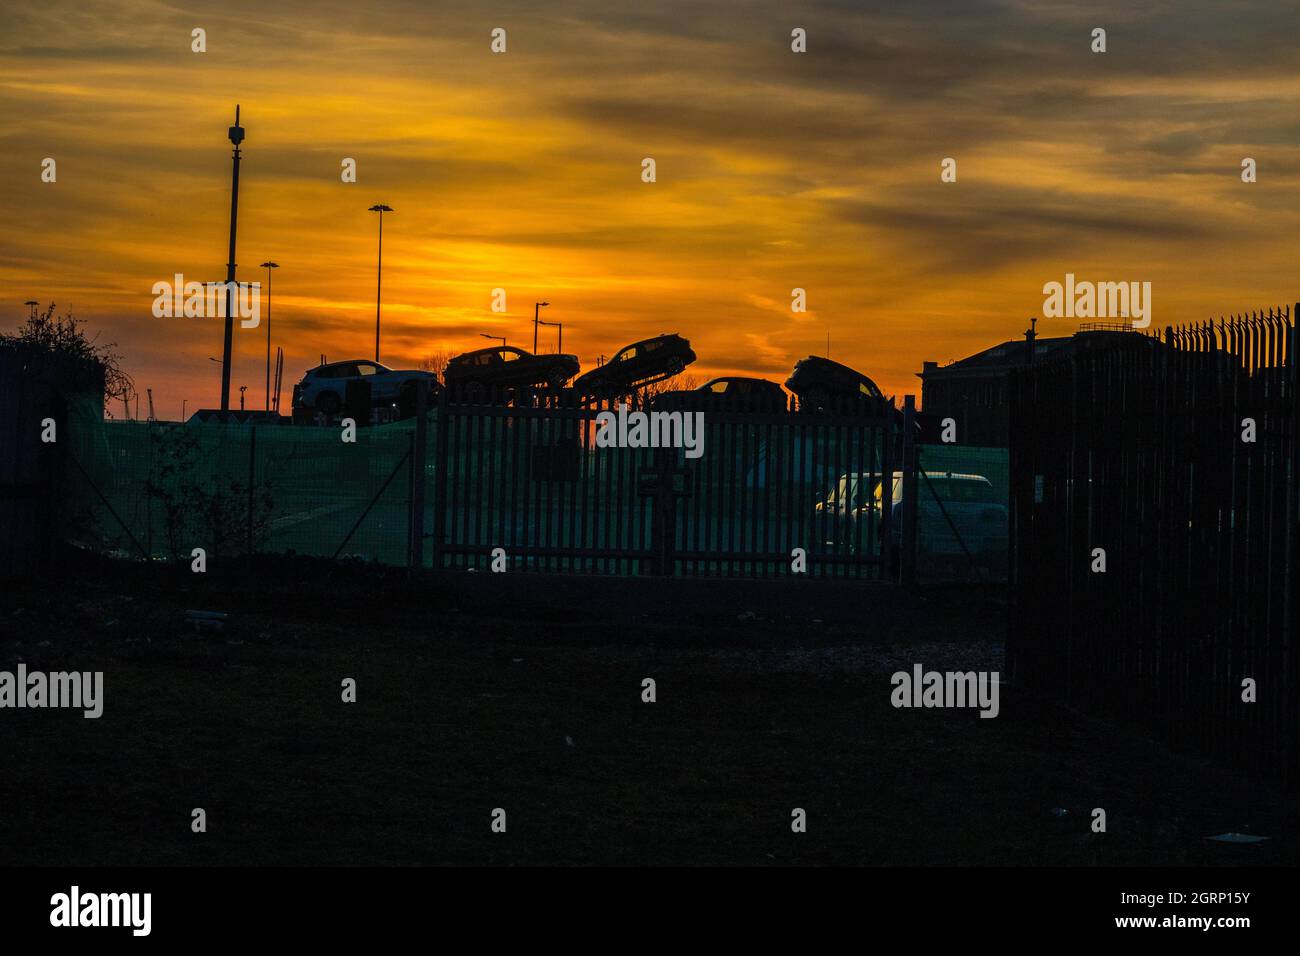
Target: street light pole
(268,266)
(558,325)
(236,134)
(501,337)
(536,306)
(379,275)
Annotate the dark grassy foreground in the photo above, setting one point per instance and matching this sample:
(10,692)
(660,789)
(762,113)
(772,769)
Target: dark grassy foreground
(469,687)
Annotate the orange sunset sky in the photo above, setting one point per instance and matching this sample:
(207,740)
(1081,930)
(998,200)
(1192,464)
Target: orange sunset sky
(522,171)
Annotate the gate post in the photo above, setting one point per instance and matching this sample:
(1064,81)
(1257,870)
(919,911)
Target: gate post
(656,483)
(415,560)
(440,482)
(252,476)
(1291,572)
(1020,491)
(907,547)
(885,546)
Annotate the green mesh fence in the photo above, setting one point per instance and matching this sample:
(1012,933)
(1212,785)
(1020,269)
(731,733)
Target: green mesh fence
(528,481)
(962,499)
(163,489)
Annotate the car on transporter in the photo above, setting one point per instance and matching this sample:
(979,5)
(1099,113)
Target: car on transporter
(823,386)
(731,393)
(636,366)
(325,387)
(474,374)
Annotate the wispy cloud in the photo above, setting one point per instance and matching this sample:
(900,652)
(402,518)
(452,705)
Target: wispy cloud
(522,171)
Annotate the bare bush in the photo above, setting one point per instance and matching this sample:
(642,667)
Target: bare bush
(65,336)
(436,361)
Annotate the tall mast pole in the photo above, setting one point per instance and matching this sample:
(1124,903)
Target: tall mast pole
(236,137)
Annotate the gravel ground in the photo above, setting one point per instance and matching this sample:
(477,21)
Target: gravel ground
(526,695)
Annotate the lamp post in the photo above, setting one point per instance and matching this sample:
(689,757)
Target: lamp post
(559,325)
(501,337)
(242,389)
(219,362)
(268,266)
(379,275)
(236,134)
(536,306)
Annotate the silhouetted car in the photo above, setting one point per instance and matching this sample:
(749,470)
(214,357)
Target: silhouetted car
(472,374)
(727,394)
(825,386)
(637,365)
(324,387)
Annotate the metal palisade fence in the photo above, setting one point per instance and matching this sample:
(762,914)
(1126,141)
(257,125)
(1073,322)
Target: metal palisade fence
(1155,518)
(533,487)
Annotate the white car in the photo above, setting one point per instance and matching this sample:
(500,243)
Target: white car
(969,502)
(325,387)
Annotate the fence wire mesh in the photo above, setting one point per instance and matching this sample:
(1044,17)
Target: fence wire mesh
(161,489)
(961,516)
